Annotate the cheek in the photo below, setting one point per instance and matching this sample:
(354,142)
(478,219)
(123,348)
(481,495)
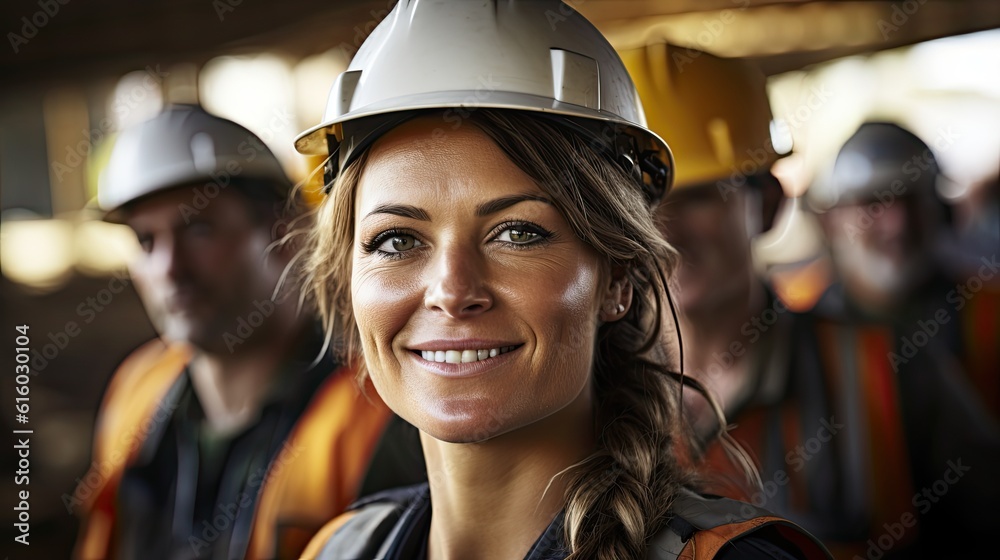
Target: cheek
(383,299)
(560,300)
(236,261)
(562,309)
(142,281)
(840,226)
(578,294)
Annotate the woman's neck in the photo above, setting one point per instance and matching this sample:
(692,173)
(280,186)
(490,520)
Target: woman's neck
(494,499)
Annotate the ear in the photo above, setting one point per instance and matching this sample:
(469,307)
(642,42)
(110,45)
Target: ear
(279,229)
(617,297)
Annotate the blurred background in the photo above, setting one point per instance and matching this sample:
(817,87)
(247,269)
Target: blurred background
(73,73)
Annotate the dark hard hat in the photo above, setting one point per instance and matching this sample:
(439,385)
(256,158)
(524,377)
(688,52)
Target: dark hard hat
(879,156)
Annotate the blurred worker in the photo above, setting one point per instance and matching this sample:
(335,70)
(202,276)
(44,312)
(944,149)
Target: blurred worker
(899,260)
(978,216)
(978,238)
(882,216)
(844,445)
(236,435)
(717,117)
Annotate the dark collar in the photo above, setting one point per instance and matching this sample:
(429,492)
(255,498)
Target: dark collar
(408,539)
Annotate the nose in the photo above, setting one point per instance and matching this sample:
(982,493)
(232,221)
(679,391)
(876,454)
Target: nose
(456,284)
(894,223)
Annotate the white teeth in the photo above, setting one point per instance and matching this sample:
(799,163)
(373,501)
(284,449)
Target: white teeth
(463,356)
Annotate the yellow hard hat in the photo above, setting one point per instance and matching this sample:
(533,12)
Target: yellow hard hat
(713,112)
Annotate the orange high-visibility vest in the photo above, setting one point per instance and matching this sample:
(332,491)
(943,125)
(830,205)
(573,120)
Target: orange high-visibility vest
(311,480)
(980,354)
(778,430)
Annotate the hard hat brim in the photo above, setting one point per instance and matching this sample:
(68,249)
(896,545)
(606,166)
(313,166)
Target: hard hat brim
(314,140)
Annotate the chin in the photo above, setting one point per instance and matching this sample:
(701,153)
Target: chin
(457,434)
(177,332)
(456,437)
(198,338)
(476,426)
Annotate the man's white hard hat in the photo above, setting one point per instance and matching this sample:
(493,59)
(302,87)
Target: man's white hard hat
(180,146)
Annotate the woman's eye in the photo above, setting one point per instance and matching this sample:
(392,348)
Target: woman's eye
(518,236)
(399,243)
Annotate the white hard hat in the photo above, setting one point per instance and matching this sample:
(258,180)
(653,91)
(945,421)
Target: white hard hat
(182,145)
(530,55)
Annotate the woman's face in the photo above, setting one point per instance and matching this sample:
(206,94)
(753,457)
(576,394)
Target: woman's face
(476,303)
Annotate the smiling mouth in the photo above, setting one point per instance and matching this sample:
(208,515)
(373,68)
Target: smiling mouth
(463,356)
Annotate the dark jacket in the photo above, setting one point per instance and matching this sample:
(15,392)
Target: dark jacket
(394,525)
(867,435)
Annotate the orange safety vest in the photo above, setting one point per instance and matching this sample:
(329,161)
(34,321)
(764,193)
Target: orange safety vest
(980,353)
(311,480)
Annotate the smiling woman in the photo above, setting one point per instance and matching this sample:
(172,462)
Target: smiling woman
(498,271)
(502,282)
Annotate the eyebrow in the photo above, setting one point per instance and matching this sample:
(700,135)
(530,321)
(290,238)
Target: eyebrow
(493,206)
(484,209)
(403,210)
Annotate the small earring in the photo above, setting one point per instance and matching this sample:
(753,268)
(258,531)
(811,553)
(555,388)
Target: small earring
(621,308)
